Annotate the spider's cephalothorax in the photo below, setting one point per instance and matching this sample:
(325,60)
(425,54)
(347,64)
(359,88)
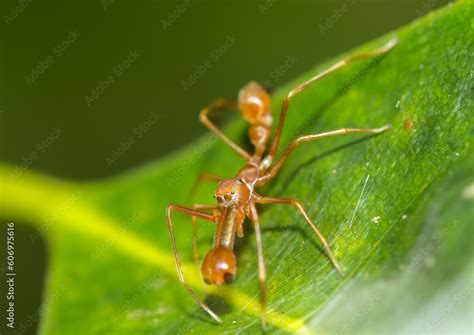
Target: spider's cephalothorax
(233,192)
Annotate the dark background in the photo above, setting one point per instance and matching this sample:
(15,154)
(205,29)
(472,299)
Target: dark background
(84,43)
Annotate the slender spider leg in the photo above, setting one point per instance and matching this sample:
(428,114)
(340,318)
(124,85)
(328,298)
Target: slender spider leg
(195,230)
(268,200)
(275,168)
(220,104)
(261,262)
(176,255)
(199,180)
(286,101)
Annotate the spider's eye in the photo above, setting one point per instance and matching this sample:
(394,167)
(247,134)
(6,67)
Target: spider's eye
(227,197)
(240,181)
(232,192)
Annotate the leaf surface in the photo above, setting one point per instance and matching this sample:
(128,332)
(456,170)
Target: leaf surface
(396,208)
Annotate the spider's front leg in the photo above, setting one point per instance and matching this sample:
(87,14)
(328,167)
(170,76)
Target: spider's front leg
(179,268)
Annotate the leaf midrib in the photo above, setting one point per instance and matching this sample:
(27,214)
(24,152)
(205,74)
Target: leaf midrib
(26,200)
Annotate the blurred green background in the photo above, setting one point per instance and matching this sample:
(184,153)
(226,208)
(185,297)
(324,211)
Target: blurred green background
(91,89)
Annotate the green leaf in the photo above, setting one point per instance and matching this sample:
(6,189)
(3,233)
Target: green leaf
(396,208)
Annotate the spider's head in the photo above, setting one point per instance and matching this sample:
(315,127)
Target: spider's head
(232,192)
(219,266)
